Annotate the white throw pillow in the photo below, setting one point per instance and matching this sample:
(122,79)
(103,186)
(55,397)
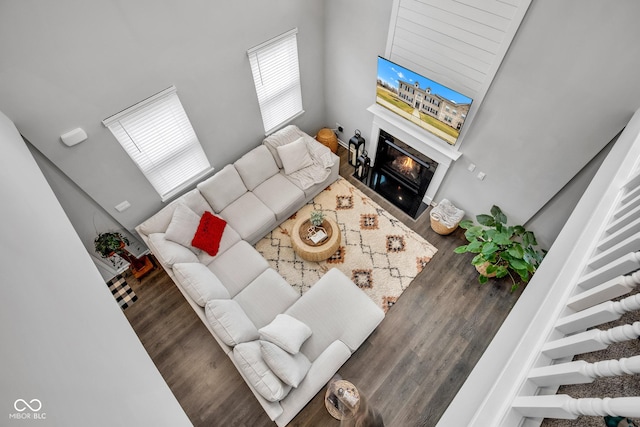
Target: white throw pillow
(290,368)
(249,359)
(183,226)
(286,332)
(230,322)
(294,156)
(200,282)
(170,252)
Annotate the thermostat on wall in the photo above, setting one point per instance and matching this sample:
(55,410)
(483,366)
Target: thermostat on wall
(74,137)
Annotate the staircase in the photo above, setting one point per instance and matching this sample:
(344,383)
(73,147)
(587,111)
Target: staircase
(589,278)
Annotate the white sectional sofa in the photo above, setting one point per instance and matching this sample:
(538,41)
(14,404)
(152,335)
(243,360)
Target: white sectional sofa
(285,346)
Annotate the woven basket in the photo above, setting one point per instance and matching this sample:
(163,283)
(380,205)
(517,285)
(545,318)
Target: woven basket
(482,269)
(445,217)
(440,228)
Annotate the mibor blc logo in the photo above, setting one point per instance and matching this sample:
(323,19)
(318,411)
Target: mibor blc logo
(27,410)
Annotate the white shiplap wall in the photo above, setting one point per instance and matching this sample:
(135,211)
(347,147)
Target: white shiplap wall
(458,43)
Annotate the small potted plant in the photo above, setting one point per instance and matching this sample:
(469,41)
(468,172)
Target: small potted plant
(316,218)
(111,243)
(501,249)
(114,243)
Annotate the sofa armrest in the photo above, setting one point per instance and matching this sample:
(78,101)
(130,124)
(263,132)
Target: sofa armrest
(321,371)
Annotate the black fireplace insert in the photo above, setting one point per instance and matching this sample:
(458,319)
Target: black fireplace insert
(401,174)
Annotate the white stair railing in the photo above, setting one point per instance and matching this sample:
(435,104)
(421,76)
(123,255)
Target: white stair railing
(581,372)
(595,259)
(607,311)
(566,407)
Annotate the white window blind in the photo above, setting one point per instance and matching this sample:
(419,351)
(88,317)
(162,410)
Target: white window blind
(276,74)
(158,136)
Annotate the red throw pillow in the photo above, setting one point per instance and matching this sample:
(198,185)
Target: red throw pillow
(209,233)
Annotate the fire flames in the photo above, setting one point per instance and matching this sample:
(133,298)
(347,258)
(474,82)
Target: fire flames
(407,166)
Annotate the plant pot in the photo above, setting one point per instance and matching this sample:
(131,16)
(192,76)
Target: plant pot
(482,269)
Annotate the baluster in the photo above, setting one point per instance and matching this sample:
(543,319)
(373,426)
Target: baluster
(592,340)
(614,288)
(617,245)
(623,265)
(624,220)
(566,407)
(597,315)
(622,233)
(632,184)
(627,207)
(581,372)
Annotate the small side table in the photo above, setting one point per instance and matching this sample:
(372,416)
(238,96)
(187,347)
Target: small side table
(342,399)
(327,138)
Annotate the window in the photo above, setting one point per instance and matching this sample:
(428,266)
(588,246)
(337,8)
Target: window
(276,74)
(157,135)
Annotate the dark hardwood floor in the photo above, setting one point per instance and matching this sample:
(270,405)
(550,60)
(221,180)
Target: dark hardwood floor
(410,368)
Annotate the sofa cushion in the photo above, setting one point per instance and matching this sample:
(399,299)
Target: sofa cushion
(209,233)
(238,266)
(230,322)
(283,136)
(199,282)
(222,188)
(229,238)
(294,156)
(290,368)
(250,217)
(287,332)
(256,166)
(160,221)
(335,309)
(266,297)
(248,357)
(281,196)
(183,226)
(169,252)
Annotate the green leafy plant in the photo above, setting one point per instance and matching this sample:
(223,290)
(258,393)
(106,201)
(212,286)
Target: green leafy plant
(501,249)
(114,243)
(110,243)
(316,218)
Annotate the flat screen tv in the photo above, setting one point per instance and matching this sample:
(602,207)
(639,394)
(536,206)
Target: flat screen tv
(426,103)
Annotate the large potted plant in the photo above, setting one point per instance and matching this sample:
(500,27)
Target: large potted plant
(501,250)
(114,243)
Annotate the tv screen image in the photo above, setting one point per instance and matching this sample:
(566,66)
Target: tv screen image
(426,103)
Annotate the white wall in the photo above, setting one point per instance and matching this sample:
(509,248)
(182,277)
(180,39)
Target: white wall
(87,217)
(70,63)
(356,33)
(567,86)
(64,339)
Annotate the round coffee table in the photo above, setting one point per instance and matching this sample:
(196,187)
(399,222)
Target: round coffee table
(309,251)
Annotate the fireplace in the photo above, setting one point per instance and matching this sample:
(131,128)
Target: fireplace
(401,174)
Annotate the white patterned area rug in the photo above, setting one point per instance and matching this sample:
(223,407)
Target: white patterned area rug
(378,252)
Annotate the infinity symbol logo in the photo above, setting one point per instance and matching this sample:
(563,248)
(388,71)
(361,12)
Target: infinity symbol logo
(21,405)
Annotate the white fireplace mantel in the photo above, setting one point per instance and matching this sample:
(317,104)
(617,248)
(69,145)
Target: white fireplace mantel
(416,137)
